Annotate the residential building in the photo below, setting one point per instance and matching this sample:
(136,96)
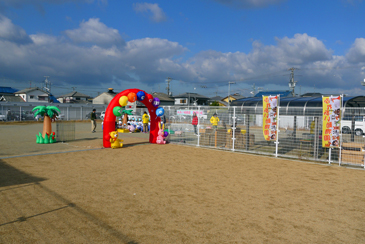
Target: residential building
(232,97)
(74,97)
(164,99)
(7,95)
(217,99)
(106,97)
(36,94)
(191,99)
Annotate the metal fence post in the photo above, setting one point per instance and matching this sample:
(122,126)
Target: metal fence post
(233,127)
(198,143)
(248,132)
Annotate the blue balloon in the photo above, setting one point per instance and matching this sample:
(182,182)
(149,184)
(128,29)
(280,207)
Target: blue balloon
(160,111)
(141,95)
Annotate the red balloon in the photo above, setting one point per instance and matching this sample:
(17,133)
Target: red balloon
(150,98)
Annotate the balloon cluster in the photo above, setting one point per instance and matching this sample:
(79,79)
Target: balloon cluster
(140,96)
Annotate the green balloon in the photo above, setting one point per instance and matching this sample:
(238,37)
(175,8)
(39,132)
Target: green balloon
(117,111)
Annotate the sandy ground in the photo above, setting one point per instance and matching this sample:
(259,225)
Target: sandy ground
(146,193)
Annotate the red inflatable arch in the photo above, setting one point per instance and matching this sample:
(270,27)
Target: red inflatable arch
(109,119)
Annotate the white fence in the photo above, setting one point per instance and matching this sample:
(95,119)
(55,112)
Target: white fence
(240,129)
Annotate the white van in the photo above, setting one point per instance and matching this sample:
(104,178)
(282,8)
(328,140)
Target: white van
(359,124)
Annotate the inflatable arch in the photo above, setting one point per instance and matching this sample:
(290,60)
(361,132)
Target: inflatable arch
(109,118)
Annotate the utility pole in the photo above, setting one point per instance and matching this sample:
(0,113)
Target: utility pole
(169,79)
(48,87)
(229,91)
(291,81)
(73,88)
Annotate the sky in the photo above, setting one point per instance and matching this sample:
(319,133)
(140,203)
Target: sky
(203,45)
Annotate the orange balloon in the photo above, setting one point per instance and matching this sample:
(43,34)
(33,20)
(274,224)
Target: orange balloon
(132,97)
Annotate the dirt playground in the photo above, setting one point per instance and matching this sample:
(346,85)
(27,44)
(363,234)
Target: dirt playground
(78,192)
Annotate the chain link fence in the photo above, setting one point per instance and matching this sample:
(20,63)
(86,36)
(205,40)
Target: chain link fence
(23,111)
(240,129)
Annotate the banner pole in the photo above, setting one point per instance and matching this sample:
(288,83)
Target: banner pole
(277,126)
(340,156)
(329,155)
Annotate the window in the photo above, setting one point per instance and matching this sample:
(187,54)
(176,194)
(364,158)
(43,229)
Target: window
(42,98)
(182,100)
(31,96)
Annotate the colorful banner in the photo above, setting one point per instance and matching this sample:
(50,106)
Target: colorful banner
(190,112)
(331,121)
(269,125)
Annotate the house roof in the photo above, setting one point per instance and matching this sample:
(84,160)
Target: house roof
(235,96)
(190,94)
(4,89)
(216,98)
(311,94)
(162,96)
(29,90)
(10,98)
(273,93)
(75,94)
(307,102)
(110,92)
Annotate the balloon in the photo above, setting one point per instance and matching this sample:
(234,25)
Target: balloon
(132,97)
(156,102)
(160,111)
(117,111)
(141,95)
(123,101)
(150,98)
(165,134)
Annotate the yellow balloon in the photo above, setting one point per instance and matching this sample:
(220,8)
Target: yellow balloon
(123,101)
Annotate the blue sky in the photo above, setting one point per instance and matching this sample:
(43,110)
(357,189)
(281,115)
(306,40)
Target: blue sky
(96,44)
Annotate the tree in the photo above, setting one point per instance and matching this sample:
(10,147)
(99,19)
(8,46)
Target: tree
(49,113)
(215,103)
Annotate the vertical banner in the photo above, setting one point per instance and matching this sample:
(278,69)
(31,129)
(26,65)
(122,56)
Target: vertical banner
(269,124)
(331,121)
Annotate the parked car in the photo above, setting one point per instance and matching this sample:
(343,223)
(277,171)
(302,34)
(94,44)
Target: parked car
(2,117)
(359,125)
(60,117)
(27,115)
(102,115)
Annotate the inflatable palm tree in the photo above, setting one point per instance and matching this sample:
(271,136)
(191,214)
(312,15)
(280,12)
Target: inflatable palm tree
(49,113)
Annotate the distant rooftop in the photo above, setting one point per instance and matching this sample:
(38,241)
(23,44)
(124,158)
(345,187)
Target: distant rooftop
(9,90)
(273,93)
(192,95)
(75,94)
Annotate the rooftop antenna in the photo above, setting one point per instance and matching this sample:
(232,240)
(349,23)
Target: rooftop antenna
(169,79)
(292,83)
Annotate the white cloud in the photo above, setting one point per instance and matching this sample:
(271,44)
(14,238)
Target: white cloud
(150,60)
(93,31)
(11,32)
(357,51)
(249,3)
(157,14)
